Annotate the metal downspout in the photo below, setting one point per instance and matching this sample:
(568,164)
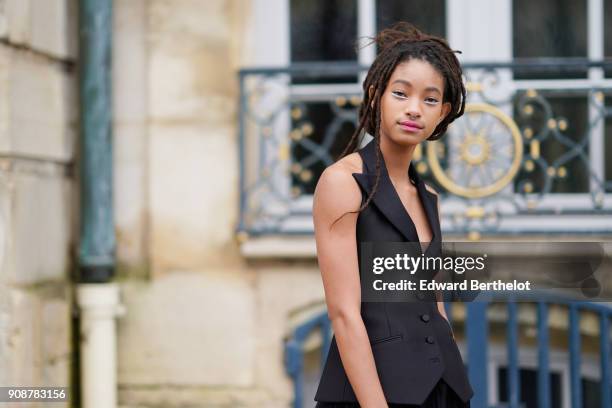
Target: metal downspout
(97,296)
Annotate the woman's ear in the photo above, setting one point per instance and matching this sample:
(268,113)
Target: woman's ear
(446,108)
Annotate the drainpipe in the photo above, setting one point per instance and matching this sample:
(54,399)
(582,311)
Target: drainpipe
(97,296)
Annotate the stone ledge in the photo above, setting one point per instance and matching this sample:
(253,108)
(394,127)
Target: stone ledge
(298,247)
(278,247)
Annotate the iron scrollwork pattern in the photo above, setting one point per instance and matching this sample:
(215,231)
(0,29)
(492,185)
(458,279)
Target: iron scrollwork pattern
(513,164)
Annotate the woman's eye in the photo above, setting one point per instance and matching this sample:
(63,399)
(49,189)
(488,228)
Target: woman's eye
(399,94)
(431,101)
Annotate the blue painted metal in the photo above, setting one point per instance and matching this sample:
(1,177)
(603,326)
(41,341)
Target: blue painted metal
(477,340)
(326,339)
(294,356)
(512,344)
(338,68)
(261,191)
(448,307)
(606,363)
(477,334)
(574,346)
(543,360)
(96,253)
(241,157)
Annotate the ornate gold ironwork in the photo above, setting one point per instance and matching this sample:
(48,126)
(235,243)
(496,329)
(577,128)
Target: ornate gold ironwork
(534,149)
(474,87)
(475,212)
(474,235)
(418,152)
(283,152)
(476,150)
(421,167)
(296,113)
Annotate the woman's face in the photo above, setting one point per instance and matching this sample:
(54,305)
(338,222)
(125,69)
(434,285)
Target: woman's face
(411,105)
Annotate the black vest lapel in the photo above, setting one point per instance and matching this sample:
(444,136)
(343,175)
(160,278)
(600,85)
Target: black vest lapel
(388,201)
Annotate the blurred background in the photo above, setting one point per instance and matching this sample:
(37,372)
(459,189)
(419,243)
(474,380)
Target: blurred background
(157,165)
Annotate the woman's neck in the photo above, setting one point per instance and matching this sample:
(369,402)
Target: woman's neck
(397,159)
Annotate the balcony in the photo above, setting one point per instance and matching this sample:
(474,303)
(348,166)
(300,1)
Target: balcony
(531,156)
(552,351)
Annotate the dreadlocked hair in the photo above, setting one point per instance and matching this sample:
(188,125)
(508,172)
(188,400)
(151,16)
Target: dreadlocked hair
(397,44)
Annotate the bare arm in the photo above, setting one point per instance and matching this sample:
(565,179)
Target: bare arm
(336,193)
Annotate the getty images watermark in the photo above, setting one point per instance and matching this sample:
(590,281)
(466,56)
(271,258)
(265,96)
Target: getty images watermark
(400,271)
(404,263)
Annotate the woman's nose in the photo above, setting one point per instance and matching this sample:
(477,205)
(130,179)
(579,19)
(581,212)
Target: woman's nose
(412,108)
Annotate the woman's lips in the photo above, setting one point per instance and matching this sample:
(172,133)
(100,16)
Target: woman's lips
(409,127)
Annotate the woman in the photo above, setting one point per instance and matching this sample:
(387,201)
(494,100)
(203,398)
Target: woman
(389,354)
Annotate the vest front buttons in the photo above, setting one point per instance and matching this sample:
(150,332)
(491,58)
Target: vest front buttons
(420,295)
(425,317)
(429,339)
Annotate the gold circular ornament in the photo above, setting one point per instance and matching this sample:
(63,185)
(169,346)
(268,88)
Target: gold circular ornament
(305,175)
(296,168)
(562,171)
(355,100)
(242,237)
(296,113)
(295,134)
(474,236)
(307,129)
(485,141)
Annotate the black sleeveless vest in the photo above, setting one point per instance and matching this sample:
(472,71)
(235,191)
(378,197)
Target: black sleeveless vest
(411,342)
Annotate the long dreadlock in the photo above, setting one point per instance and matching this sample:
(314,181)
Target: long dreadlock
(397,44)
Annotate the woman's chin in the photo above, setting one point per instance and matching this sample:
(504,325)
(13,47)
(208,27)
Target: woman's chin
(408,139)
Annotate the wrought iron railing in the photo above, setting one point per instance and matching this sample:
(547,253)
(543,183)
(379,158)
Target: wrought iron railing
(529,155)
(476,335)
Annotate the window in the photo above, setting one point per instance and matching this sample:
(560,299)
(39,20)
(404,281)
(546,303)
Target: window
(574,177)
(608,145)
(324,31)
(560,29)
(299,122)
(549,28)
(608,34)
(427,15)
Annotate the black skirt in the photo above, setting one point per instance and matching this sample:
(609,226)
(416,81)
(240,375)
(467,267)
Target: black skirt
(442,396)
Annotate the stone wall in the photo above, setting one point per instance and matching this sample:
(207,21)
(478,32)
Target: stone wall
(203,326)
(38,117)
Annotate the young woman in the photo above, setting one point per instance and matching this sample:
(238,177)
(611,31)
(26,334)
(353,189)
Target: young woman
(389,354)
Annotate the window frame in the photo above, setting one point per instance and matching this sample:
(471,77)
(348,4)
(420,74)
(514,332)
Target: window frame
(272,48)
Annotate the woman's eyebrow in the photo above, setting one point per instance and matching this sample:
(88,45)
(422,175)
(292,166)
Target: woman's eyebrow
(406,82)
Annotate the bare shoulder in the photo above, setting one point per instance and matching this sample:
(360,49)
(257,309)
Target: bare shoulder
(337,191)
(351,162)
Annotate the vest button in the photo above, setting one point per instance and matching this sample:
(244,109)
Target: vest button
(425,317)
(420,295)
(429,339)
